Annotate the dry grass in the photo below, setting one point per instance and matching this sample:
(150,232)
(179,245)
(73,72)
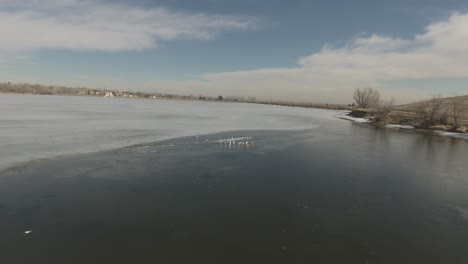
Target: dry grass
(407,111)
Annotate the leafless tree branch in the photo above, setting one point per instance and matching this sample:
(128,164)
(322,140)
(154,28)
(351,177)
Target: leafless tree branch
(432,112)
(366,97)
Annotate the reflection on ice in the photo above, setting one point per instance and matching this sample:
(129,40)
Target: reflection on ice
(452,134)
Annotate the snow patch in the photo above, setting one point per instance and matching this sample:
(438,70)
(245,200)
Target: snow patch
(344,115)
(408,127)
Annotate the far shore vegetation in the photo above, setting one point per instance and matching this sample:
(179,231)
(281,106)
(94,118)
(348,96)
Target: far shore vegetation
(37,89)
(448,114)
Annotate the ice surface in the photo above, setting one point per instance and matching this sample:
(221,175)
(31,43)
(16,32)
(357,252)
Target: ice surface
(33,127)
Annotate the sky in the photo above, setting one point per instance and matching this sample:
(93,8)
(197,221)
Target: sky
(296,50)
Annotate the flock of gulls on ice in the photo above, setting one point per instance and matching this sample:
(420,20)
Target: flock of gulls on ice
(234,142)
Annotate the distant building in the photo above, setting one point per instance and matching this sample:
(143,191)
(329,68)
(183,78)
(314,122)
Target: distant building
(109,94)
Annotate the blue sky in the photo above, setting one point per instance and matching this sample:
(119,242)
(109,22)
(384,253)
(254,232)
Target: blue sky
(294,50)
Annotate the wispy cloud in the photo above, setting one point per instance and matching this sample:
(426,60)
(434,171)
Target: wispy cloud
(441,51)
(32,25)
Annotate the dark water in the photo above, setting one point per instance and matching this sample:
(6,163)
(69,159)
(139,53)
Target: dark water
(341,193)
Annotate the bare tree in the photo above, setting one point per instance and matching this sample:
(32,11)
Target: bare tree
(432,112)
(366,97)
(383,110)
(455,114)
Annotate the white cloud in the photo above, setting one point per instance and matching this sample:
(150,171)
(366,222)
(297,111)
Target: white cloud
(441,51)
(104,26)
(331,74)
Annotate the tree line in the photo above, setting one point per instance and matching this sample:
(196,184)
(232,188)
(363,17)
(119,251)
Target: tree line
(426,113)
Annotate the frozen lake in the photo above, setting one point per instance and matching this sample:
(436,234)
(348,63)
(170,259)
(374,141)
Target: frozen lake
(334,192)
(337,193)
(36,127)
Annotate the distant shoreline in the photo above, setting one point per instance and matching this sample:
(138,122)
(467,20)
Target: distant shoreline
(36,89)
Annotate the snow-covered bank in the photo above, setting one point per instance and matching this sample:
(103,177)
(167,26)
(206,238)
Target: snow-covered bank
(33,127)
(407,127)
(344,115)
